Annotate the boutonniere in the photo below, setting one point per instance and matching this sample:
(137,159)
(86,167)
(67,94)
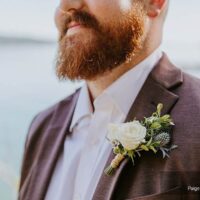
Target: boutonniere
(129,139)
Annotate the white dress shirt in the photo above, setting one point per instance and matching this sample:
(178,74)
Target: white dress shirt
(86,150)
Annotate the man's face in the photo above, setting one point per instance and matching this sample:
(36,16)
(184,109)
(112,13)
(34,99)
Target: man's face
(109,33)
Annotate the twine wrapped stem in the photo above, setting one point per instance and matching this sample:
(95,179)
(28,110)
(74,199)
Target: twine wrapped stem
(114,164)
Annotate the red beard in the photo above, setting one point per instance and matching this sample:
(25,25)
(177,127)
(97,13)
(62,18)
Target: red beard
(109,46)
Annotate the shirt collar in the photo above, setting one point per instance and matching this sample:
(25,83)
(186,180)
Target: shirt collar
(83,106)
(125,89)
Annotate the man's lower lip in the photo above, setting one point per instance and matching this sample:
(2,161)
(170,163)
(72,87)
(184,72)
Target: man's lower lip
(74,27)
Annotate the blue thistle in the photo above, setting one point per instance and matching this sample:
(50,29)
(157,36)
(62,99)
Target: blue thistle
(163,138)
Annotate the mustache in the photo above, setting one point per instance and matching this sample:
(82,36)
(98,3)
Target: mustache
(81,17)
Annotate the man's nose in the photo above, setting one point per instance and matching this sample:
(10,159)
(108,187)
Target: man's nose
(68,5)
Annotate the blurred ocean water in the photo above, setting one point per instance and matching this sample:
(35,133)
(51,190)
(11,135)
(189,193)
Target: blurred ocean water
(27,79)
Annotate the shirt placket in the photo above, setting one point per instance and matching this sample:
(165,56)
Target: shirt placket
(91,149)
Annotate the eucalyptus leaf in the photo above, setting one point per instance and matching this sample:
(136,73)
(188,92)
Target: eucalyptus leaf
(153,149)
(155,125)
(144,147)
(149,142)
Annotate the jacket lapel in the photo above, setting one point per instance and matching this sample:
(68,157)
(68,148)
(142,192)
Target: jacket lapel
(49,149)
(156,89)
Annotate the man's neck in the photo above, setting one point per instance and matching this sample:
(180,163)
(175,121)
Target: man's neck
(96,87)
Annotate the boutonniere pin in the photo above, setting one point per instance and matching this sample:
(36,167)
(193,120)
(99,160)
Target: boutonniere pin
(129,139)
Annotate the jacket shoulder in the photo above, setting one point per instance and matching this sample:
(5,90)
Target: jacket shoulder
(188,105)
(43,118)
(193,80)
(190,89)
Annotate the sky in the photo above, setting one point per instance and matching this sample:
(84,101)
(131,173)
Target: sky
(35,19)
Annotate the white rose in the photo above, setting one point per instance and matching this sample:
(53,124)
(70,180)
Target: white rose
(130,134)
(112,132)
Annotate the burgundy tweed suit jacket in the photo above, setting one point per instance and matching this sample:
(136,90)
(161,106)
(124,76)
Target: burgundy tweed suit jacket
(152,177)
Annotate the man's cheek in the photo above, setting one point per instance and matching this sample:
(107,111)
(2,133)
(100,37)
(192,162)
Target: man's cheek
(102,9)
(59,19)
